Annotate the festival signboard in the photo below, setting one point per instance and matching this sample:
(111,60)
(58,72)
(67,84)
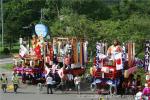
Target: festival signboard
(147,55)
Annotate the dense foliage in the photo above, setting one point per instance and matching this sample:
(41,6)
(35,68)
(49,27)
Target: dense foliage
(94,20)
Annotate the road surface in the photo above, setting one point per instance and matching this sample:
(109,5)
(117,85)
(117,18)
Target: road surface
(30,92)
(6,61)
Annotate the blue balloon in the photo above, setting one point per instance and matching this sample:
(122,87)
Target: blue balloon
(41,29)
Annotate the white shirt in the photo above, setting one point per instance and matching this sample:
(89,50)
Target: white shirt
(70,77)
(77,80)
(149,67)
(68,47)
(62,52)
(49,80)
(138,96)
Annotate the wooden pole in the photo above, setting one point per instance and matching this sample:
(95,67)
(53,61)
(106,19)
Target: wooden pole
(129,54)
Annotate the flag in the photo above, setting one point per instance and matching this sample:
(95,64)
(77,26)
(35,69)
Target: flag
(54,67)
(61,73)
(124,53)
(118,59)
(85,52)
(97,53)
(149,67)
(47,70)
(147,55)
(23,51)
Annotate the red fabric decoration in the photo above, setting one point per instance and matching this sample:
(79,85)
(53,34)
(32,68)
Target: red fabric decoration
(118,61)
(38,52)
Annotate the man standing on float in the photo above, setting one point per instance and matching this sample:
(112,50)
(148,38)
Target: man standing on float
(115,48)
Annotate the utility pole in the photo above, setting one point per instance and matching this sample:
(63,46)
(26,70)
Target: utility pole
(41,15)
(2,22)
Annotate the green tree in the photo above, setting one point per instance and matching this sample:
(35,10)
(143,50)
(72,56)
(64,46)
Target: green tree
(18,14)
(93,9)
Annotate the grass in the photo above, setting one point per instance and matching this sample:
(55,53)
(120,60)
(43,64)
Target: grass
(7,66)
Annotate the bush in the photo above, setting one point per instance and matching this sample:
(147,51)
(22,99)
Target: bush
(6,51)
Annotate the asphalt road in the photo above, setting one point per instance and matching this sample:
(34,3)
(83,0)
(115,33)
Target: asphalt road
(32,96)
(6,60)
(30,92)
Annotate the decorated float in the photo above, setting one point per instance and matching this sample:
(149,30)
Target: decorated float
(111,65)
(29,63)
(58,56)
(71,54)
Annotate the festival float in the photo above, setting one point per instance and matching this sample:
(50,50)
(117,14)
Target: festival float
(111,65)
(58,56)
(29,63)
(71,54)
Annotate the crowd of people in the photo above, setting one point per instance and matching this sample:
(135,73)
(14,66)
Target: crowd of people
(68,83)
(51,82)
(132,85)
